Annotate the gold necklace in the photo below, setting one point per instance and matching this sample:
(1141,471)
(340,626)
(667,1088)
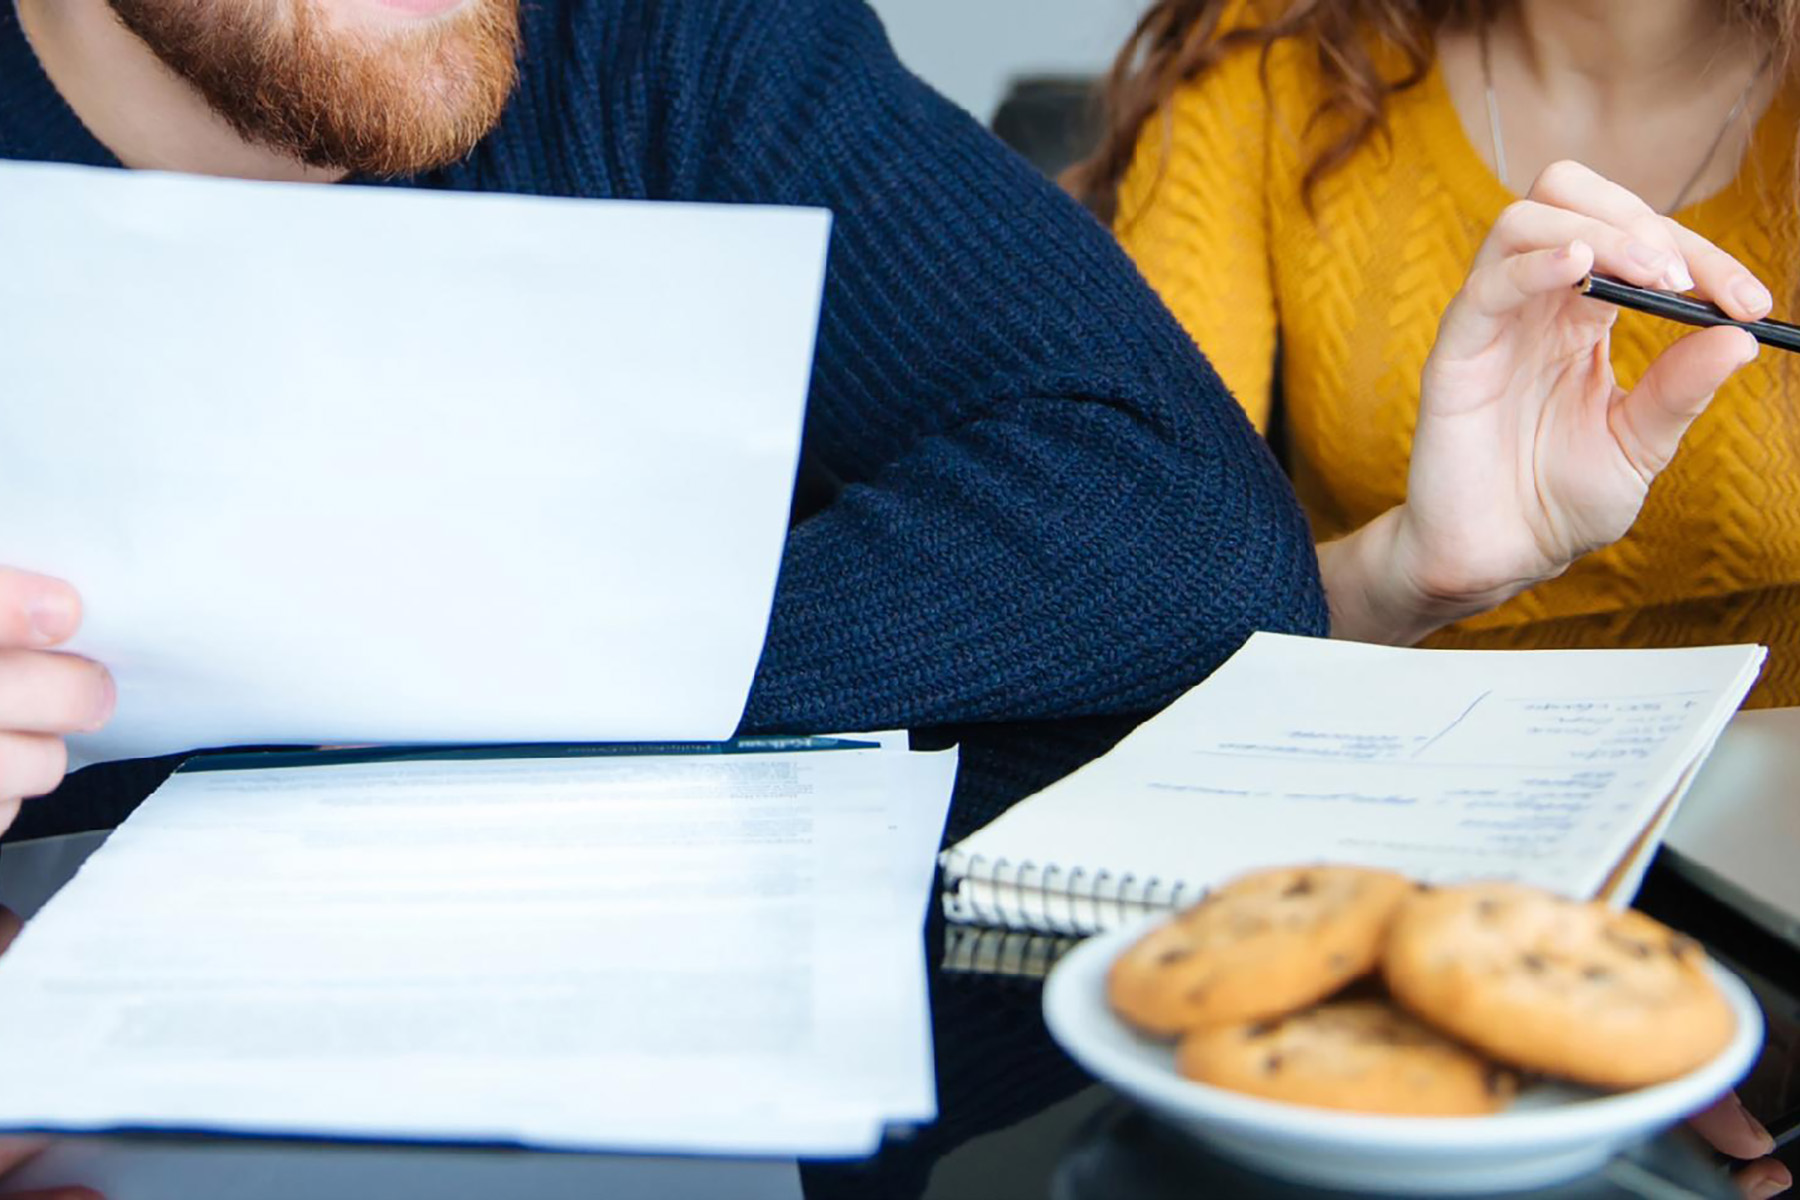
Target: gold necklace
(1498,138)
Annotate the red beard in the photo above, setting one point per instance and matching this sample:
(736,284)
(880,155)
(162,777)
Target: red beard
(382,105)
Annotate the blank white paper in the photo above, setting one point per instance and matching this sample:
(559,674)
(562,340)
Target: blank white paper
(345,464)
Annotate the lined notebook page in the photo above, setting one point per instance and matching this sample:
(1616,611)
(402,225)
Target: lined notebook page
(1545,767)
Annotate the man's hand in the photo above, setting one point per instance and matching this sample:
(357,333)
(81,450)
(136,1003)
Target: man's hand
(44,694)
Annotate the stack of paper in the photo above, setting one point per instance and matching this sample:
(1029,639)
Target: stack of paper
(712,953)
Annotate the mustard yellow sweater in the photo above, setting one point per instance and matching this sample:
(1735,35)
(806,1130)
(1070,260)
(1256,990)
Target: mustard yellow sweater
(1346,307)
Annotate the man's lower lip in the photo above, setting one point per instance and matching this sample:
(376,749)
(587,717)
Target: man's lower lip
(421,8)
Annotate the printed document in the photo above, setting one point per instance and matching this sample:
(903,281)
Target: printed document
(693,954)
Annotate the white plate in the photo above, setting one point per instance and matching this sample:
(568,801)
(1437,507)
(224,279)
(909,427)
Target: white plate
(1551,1134)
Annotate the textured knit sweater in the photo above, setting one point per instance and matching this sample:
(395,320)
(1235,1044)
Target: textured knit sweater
(1048,507)
(1353,299)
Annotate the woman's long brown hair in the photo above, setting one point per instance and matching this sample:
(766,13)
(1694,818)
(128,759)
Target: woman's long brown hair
(1178,41)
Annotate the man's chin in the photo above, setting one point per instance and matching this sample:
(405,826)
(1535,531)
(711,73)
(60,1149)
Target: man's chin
(308,80)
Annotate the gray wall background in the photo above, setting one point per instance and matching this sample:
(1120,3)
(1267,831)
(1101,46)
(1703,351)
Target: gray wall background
(969,49)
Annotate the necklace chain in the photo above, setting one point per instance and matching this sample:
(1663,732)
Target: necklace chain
(1498,138)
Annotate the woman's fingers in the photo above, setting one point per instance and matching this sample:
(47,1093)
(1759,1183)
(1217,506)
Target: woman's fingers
(1697,264)
(1528,225)
(1650,421)
(49,692)
(10,925)
(1729,1128)
(1764,1178)
(1569,185)
(1496,290)
(1723,279)
(15,1152)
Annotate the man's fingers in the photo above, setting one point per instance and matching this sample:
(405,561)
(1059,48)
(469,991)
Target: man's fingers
(1572,186)
(1649,423)
(35,610)
(50,692)
(1723,279)
(9,812)
(31,764)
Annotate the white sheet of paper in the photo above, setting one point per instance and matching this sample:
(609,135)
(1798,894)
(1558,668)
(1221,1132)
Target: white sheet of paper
(366,465)
(708,954)
(144,1169)
(1538,766)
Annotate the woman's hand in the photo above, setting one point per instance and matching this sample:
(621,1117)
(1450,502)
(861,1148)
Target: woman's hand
(1527,454)
(1730,1129)
(43,694)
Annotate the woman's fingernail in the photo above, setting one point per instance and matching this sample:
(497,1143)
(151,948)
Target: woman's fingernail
(1753,296)
(1765,1188)
(1764,1143)
(1678,278)
(54,615)
(1647,257)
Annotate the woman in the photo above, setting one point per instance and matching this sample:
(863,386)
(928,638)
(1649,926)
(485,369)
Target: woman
(1306,182)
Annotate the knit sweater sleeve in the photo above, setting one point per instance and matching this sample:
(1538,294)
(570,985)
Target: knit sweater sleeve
(1053,506)
(1194,213)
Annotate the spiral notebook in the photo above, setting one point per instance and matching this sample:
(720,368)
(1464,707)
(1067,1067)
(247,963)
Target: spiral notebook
(1554,768)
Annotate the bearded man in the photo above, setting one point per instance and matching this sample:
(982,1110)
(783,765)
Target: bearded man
(1042,502)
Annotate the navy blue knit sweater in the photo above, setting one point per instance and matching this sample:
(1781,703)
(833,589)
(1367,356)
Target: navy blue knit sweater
(1050,507)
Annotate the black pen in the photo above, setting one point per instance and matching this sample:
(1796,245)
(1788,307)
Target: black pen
(1786,1130)
(1675,307)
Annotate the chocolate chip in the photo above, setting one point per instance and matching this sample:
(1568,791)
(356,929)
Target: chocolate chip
(1496,1081)
(1272,1064)
(1596,973)
(1302,886)
(1172,956)
(1486,908)
(1340,963)
(1631,946)
(1680,945)
(1261,1029)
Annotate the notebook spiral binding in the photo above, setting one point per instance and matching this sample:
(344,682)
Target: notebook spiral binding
(1051,898)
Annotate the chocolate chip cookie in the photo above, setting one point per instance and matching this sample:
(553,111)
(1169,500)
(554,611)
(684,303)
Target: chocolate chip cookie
(1359,1055)
(1259,947)
(1568,988)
